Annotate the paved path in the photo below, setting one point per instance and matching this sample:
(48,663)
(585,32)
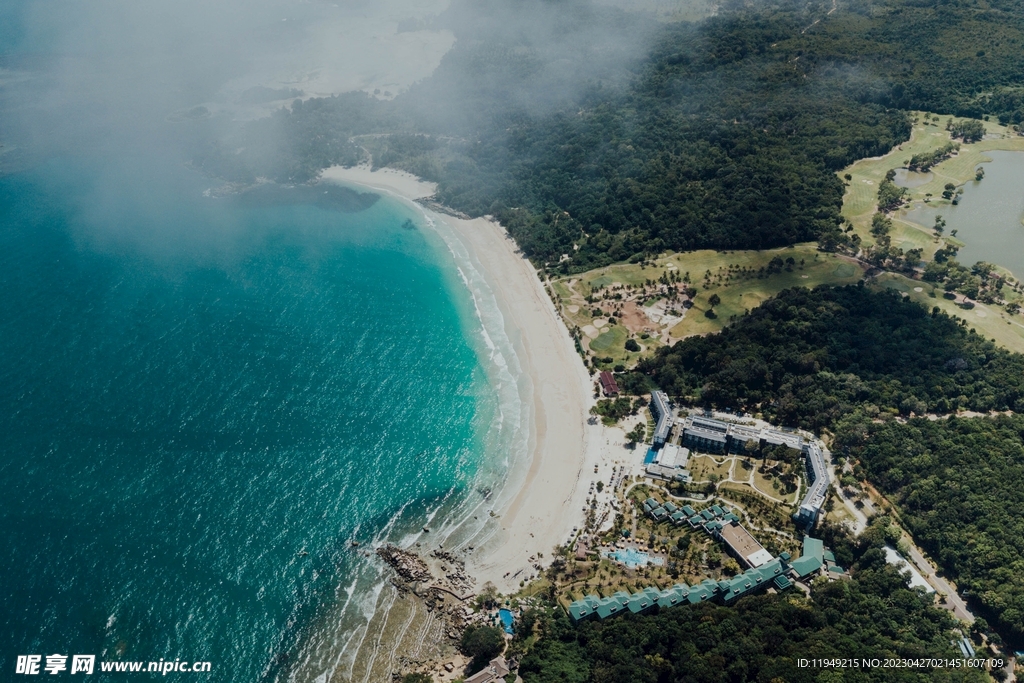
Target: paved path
(952,601)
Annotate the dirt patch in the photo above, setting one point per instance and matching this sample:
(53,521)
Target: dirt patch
(634,318)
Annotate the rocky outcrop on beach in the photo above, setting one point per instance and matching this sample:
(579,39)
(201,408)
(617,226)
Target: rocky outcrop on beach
(454,573)
(408,565)
(444,595)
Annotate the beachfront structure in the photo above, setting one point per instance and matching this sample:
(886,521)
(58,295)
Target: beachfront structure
(662,412)
(608,384)
(815,455)
(669,463)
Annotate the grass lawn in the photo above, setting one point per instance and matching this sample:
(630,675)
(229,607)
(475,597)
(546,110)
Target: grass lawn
(702,466)
(610,342)
(741,295)
(764,485)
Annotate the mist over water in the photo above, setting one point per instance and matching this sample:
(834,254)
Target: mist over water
(208,395)
(212,389)
(195,428)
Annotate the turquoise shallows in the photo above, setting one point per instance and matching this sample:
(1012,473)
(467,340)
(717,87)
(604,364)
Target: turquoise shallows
(205,400)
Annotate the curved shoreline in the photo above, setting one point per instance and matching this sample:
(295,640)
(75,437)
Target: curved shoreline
(540,510)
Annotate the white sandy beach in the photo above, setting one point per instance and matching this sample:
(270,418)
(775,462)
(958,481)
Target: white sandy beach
(565,448)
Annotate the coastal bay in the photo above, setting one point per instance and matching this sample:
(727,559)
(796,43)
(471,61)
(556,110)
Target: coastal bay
(544,495)
(543,501)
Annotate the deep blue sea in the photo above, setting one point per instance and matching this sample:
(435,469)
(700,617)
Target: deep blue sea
(206,399)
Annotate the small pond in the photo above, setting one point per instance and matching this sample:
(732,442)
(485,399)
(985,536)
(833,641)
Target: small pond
(907,178)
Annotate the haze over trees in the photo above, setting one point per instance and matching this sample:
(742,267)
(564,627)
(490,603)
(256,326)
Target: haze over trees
(599,136)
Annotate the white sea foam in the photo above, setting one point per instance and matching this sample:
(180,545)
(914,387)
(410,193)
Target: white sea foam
(463,515)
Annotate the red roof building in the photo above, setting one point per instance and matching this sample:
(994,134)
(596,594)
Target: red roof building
(608,385)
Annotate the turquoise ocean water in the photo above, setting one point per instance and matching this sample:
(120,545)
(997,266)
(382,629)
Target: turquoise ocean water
(206,400)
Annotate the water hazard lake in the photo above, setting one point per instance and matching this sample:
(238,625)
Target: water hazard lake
(988,218)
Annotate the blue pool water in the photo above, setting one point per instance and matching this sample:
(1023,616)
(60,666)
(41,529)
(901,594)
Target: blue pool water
(633,558)
(651,455)
(506,620)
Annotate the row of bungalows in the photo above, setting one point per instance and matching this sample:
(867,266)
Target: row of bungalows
(710,519)
(778,573)
(721,524)
(725,591)
(668,511)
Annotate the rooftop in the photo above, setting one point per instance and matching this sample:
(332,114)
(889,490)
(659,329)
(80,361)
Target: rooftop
(744,545)
(608,384)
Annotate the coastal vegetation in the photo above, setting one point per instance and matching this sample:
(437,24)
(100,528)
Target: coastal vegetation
(481,644)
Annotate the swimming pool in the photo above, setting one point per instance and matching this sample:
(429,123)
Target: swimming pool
(506,620)
(632,558)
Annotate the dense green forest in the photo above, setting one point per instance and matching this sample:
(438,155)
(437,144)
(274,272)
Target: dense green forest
(723,134)
(809,357)
(959,487)
(761,637)
(850,360)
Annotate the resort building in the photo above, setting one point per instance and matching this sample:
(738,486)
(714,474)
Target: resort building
(818,480)
(727,591)
(716,436)
(743,546)
(496,670)
(811,560)
(669,463)
(662,412)
(609,386)
(709,436)
(774,572)
(816,560)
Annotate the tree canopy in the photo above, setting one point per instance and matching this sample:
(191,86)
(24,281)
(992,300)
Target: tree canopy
(959,487)
(724,133)
(808,357)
